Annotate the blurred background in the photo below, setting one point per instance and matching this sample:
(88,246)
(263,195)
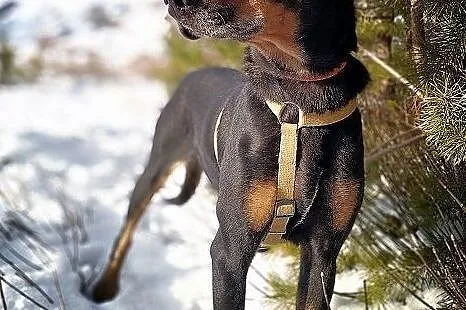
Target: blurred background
(81,87)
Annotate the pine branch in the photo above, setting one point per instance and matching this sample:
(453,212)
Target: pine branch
(378,154)
(392,71)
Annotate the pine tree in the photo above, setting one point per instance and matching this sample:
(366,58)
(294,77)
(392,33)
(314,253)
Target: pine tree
(437,43)
(7,55)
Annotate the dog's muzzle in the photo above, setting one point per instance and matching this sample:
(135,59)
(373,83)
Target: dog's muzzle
(180,11)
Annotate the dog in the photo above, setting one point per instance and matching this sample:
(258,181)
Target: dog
(299,52)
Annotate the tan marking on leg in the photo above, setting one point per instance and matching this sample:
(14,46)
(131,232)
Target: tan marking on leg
(107,286)
(344,202)
(260,203)
(126,235)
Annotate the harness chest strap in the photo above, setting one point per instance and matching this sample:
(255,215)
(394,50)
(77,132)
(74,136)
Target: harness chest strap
(285,203)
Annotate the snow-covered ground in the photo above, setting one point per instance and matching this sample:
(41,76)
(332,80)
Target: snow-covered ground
(87,142)
(77,144)
(82,142)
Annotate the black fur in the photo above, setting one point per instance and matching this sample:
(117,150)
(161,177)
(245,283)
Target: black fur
(327,32)
(310,97)
(329,159)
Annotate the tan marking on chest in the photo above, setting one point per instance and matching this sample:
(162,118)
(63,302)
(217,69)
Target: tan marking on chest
(260,203)
(344,202)
(278,37)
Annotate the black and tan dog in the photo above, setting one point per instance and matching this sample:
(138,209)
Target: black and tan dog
(299,52)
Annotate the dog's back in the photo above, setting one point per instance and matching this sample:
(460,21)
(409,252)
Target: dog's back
(208,88)
(198,101)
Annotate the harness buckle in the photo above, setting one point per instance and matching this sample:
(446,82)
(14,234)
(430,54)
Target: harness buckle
(285,208)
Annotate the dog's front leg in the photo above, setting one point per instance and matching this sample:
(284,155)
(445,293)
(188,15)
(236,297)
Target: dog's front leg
(229,270)
(244,209)
(330,220)
(317,275)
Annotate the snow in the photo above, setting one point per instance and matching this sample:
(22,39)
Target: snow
(140,27)
(88,142)
(83,141)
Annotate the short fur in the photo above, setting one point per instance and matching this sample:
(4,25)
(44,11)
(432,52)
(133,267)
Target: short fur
(286,39)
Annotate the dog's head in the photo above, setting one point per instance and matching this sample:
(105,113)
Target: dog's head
(227,19)
(308,30)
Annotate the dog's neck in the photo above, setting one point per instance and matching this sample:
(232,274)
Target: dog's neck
(284,58)
(322,91)
(304,75)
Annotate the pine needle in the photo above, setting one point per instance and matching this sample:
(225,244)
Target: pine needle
(26,278)
(366,302)
(17,290)
(324,290)
(2,295)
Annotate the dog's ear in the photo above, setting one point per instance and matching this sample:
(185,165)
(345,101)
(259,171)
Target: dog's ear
(327,32)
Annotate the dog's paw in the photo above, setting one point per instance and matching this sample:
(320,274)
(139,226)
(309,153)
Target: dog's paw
(102,287)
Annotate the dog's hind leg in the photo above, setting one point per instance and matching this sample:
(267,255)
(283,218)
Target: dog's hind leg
(172,145)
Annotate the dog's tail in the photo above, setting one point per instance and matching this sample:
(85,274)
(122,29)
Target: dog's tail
(193,176)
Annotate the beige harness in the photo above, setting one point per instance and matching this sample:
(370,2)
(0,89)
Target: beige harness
(285,205)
